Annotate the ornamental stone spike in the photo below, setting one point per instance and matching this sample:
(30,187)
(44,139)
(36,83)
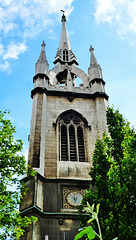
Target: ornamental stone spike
(42,65)
(94,70)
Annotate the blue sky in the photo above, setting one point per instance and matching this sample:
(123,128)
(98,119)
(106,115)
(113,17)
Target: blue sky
(108,25)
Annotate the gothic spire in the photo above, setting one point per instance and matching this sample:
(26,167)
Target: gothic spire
(64,52)
(95,70)
(64,39)
(42,65)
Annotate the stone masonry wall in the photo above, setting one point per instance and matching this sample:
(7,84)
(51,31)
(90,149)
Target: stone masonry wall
(35,133)
(94,112)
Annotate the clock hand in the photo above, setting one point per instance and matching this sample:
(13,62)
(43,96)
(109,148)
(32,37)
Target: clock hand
(75,198)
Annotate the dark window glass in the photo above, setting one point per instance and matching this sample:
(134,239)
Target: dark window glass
(65,55)
(81,150)
(73,155)
(64,145)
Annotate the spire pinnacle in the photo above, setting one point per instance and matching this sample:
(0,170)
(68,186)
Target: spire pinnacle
(64,38)
(42,65)
(94,69)
(93,61)
(64,52)
(42,57)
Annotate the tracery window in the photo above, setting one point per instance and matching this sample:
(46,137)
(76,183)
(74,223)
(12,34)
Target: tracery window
(72,138)
(65,55)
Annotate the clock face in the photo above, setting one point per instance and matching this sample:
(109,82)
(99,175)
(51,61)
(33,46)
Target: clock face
(74,198)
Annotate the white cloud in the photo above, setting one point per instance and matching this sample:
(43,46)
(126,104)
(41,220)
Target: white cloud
(1,49)
(104,11)
(5,67)
(71,33)
(132,14)
(25,19)
(14,50)
(32,15)
(121,13)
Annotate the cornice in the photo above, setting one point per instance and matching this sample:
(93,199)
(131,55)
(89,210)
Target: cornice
(68,94)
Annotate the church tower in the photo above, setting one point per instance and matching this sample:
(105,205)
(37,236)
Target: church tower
(65,121)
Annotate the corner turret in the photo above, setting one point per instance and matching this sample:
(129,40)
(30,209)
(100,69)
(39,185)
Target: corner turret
(41,78)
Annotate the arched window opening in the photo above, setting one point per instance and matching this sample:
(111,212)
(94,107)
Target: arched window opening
(81,149)
(73,154)
(64,147)
(78,81)
(72,138)
(65,55)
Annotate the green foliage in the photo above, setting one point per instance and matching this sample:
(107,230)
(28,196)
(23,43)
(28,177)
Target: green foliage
(12,166)
(88,231)
(114,179)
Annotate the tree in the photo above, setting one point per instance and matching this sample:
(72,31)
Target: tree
(12,166)
(113,179)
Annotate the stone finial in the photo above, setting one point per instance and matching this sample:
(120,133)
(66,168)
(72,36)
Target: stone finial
(63,19)
(93,61)
(42,57)
(91,49)
(43,44)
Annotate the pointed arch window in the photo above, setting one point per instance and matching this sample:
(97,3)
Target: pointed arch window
(72,138)
(65,55)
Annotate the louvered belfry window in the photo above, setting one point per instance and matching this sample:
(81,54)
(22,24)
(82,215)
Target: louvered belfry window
(65,55)
(72,143)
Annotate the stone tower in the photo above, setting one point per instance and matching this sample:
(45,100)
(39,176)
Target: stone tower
(66,119)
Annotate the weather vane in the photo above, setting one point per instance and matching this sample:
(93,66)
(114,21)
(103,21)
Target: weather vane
(63,19)
(62,11)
